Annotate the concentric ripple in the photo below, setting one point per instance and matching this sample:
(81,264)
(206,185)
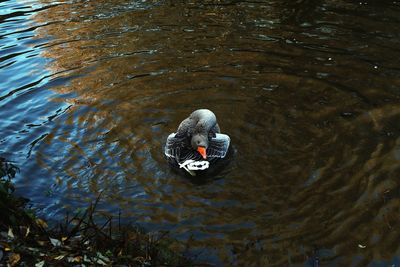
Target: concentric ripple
(308,91)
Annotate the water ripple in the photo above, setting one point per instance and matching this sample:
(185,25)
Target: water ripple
(307,90)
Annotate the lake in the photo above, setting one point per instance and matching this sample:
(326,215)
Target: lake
(308,91)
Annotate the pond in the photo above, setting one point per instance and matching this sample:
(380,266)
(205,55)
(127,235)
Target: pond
(308,91)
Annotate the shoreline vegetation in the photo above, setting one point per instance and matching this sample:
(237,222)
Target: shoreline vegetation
(26,240)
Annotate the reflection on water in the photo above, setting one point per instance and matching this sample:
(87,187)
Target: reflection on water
(308,92)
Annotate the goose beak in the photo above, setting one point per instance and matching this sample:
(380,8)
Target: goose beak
(202,151)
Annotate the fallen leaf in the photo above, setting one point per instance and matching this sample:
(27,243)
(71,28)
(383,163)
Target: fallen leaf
(101,262)
(109,253)
(86,258)
(42,243)
(13,259)
(75,221)
(5,246)
(64,238)
(59,257)
(55,242)
(139,259)
(28,230)
(100,256)
(10,233)
(77,259)
(39,264)
(361,246)
(41,223)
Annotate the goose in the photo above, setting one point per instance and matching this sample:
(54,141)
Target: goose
(198,143)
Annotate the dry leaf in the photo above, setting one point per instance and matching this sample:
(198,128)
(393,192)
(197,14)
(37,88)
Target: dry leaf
(64,238)
(13,259)
(28,230)
(5,246)
(101,256)
(39,264)
(55,242)
(361,246)
(41,223)
(77,259)
(139,259)
(86,258)
(10,233)
(59,257)
(42,243)
(100,261)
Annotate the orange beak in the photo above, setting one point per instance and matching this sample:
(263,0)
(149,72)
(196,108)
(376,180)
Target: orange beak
(202,151)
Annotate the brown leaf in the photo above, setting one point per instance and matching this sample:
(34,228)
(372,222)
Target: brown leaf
(42,243)
(13,259)
(139,259)
(41,223)
(77,259)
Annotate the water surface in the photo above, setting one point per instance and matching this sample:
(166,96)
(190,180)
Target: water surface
(308,91)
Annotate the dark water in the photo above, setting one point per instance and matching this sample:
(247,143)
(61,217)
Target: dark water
(308,90)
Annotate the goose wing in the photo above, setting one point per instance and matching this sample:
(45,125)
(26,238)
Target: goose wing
(178,148)
(174,145)
(218,146)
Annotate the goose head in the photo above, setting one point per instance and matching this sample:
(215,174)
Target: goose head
(199,143)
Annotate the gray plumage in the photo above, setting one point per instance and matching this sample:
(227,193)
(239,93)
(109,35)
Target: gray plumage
(199,126)
(199,129)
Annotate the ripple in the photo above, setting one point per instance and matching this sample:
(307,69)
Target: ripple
(307,91)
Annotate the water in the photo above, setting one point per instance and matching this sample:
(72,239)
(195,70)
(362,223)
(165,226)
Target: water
(309,92)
